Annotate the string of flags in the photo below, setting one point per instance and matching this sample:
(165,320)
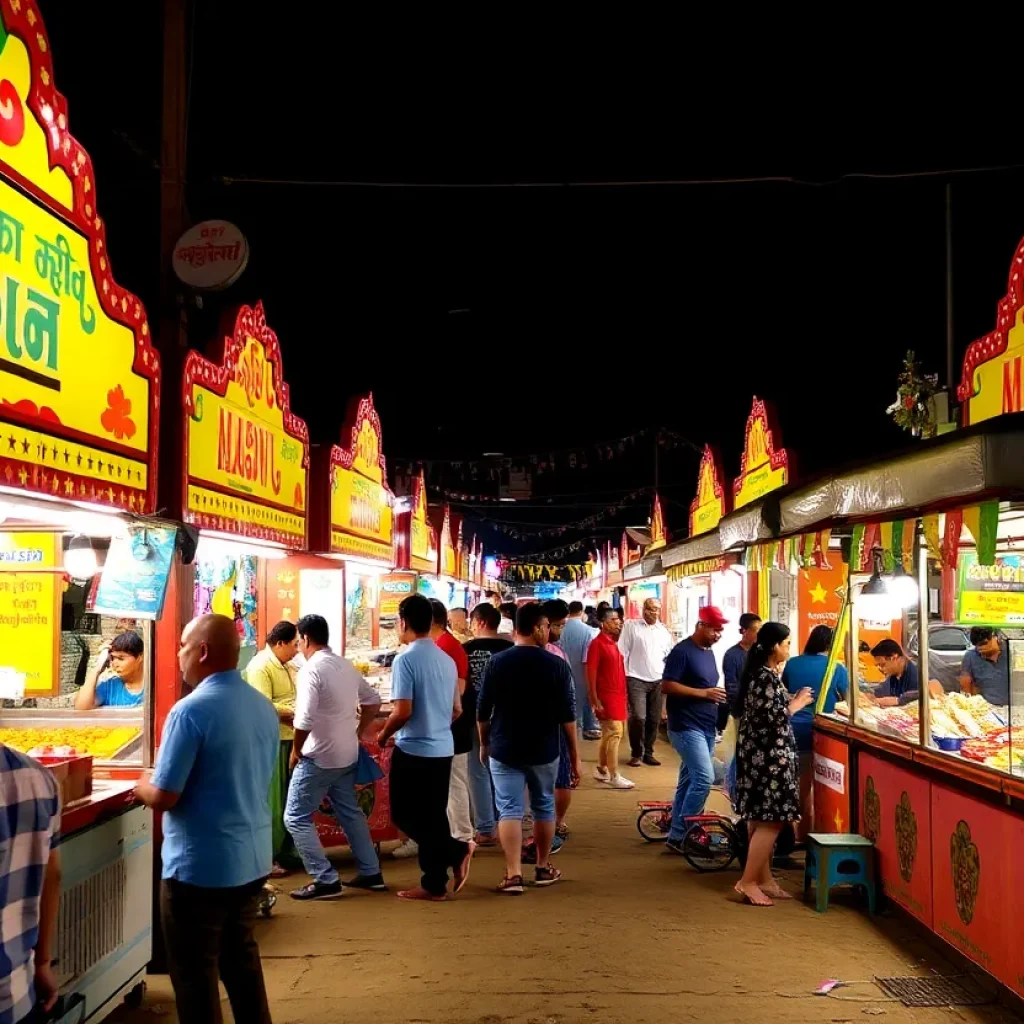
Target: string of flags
(517,532)
(583,544)
(531,572)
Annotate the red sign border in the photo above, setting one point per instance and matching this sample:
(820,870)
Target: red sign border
(22,19)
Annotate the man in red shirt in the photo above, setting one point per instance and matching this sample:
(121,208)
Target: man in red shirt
(606,684)
(459,817)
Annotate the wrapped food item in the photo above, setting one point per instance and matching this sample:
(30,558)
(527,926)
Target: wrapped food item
(102,742)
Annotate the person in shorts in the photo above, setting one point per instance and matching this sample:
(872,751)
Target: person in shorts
(525,702)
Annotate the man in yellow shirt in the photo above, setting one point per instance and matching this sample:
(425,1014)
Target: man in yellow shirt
(272,673)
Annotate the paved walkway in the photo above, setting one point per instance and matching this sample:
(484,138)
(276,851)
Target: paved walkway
(632,934)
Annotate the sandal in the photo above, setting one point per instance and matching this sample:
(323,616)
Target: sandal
(755,899)
(546,876)
(512,886)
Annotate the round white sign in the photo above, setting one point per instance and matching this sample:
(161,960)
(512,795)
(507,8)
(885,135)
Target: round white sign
(211,255)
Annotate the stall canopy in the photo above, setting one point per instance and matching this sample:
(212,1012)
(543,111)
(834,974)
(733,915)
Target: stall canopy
(246,455)
(79,379)
(964,466)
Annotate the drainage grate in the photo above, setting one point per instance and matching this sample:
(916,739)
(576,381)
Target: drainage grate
(959,990)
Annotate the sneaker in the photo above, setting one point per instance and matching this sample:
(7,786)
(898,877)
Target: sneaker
(621,782)
(675,846)
(602,774)
(317,891)
(485,841)
(635,762)
(371,883)
(557,843)
(591,734)
(511,886)
(546,875)
(407,849)
(651,760)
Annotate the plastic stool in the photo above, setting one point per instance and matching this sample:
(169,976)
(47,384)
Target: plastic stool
(840,859)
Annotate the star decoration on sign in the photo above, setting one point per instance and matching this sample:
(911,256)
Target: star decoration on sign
(818,594)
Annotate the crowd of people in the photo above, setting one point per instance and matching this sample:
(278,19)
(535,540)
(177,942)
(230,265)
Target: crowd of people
(485,726)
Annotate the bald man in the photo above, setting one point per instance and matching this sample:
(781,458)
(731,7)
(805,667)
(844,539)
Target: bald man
(645,644)
(211,780)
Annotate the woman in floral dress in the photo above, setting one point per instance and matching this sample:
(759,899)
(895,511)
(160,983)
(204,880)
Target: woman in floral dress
(767,766)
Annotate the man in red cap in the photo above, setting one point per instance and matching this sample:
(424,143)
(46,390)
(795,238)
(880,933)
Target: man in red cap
(692,696)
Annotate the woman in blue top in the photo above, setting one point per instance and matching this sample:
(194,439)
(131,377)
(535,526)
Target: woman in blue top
(808,669)
(124,685)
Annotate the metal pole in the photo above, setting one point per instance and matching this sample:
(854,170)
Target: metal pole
(950,379)
(924,698)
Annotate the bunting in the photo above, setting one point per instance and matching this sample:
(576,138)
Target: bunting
(857,548)
(951,538)
(931,536)
(886,541)
(982,521)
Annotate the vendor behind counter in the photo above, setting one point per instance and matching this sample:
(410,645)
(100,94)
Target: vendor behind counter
(118,678)
(986,668)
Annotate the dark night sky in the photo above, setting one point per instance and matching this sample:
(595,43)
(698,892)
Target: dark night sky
(593,312)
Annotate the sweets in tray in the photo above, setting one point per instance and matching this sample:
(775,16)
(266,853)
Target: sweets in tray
(102,742)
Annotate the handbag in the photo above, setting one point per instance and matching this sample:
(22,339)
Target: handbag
(367,769)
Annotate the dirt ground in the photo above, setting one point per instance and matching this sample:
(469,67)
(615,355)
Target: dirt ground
(631,934)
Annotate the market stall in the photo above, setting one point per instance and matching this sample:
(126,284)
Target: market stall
(79,566)
(245,474)
(350,482)
(935,776)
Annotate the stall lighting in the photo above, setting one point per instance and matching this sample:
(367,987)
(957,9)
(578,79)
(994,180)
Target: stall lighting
(80,559)
(507,499)
(98,523)
(903,589)
(363,566)
(874,602)
(212,543)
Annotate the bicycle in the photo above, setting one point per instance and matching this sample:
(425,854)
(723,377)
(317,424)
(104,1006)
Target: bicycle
(711,842)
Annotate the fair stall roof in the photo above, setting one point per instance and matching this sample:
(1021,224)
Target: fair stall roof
(749,525)
(650,565)
(965,466)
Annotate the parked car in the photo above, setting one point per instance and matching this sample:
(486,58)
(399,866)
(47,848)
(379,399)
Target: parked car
(948,642)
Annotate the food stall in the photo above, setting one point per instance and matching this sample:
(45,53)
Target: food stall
(937,781)
(79,393)
(245,473)
(350,481)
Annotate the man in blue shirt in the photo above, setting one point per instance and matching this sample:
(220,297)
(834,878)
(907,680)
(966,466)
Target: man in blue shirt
(211,781)
(692,696)
(732,668)
(425,694)
(574,641)
(986,669)
(902,682)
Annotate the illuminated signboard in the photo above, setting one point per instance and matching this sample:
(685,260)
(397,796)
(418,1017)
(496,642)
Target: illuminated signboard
(362,505)
(990,595)
(422,543)
(446,549)
(79,378)
(992,374)
(657,526)
(764,467)
(708,506)
(247,455)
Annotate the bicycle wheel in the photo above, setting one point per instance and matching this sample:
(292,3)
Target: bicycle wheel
(710,845)
(653,824)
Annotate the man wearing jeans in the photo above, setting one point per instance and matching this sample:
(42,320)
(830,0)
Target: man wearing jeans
(692,695)
(645,643)
(526,699)
(575,641)
(211,782)
(325,753)
(425,693)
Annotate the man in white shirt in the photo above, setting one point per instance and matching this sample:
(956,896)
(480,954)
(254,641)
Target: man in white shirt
(645,644)
(325,754)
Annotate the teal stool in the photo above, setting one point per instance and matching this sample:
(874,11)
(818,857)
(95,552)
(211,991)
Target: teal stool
(840,859)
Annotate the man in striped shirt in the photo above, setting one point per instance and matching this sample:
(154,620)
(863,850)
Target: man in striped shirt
(29,885)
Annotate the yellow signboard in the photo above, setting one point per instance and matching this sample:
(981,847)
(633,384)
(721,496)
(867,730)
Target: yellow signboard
(764,468)
(30,610)
(78,376)
(247,455)
(708,507)
(446,564)
(423,554)
(993,373)
(362,506)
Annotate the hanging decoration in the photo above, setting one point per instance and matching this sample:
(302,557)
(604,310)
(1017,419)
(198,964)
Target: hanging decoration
(931,536)
(533,572)
(982,522)
(951,538)
(518,531)
(913,409)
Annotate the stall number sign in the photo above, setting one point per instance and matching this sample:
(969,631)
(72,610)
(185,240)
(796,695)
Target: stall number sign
(992,595)
(829,773)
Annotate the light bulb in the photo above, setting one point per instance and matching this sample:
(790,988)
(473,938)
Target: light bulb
(80,559)
(877,607)
(904,590)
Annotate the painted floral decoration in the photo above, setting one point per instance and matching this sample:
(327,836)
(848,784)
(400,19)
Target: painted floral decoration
(116,418)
